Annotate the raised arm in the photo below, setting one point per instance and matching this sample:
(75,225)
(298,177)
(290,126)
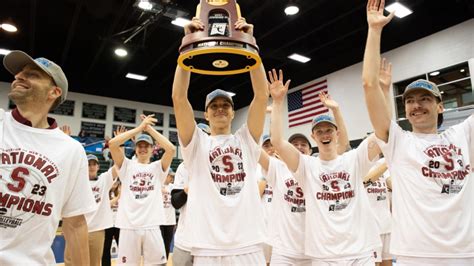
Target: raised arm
(385,80)
(264,160)
(114,144)
(289,154)
(170,149)
(183,110)
(373,148)
(343,139)
(374,97)
(258,106)
(375,174)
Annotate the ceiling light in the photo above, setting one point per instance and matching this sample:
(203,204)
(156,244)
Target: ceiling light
(145,5)
(462,70)
(436,73)
(8,27)
(136,76)
(400,10)
(180,22)
(4,51)
(291,10)
(299,58)
(231,94)
(121,52)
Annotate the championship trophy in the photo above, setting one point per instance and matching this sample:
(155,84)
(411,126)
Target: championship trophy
(219,49)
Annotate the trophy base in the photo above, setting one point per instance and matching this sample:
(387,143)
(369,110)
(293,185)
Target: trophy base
(219,58)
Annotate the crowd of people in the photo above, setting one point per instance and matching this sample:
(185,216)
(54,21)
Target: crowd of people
(243,199)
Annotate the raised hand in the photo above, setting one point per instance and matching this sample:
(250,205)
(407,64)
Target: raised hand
(119,130)
(327,101)
(195,25)
(385,75)
(278,90)
(242,25)
(147,121)
(375,17)
(66,129)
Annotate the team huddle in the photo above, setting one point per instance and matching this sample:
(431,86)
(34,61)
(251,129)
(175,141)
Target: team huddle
(243,198)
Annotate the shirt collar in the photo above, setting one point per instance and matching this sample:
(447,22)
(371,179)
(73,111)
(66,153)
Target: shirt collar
(20,119)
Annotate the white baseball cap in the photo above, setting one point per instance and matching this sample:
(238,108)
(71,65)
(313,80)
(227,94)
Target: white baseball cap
(16,60)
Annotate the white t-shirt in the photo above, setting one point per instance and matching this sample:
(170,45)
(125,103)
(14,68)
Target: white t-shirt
(287,226)
(223,200)
(266,200)
(433,191)
(43,177)
(339,221)
(379,198)
(141,201)
(103,217)
(114,207)
(181,181)
(170,213)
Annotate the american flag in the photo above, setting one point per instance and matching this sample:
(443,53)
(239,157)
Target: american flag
(304,104)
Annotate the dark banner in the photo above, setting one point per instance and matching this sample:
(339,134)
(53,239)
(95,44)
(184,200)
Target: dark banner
(94,111)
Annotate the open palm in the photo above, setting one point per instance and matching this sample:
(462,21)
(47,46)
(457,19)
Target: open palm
(328,101)
(375,16)
(277,89)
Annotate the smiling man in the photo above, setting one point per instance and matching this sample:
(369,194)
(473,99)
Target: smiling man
(431,173)
(339,226)
(141,209)
(43,172)
(223,182)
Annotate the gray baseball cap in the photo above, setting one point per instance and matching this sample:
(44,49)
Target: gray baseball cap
(299,136)
(218,94)
(16,60)
(265,138)
(144,137)
(92,157)
(323,118)
(424,85)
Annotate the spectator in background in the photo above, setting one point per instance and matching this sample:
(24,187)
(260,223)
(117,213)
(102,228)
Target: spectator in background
(167,229)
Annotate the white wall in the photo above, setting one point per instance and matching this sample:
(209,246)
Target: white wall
(75,121)
(442,49)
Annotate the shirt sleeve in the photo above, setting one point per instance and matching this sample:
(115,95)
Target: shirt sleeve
(80,200)
(362,157)
(180,181)
(389,148)
(190,151)
(272,170)
(109,179)
(123,170)
(248,141)
(467,128)
(300,173)
(158,169)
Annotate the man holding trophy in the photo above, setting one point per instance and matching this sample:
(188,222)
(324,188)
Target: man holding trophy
(223,199)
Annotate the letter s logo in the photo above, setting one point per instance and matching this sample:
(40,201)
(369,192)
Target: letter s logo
(227,161)
(18,175)
(335,186)
(299,192)
(448,158)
